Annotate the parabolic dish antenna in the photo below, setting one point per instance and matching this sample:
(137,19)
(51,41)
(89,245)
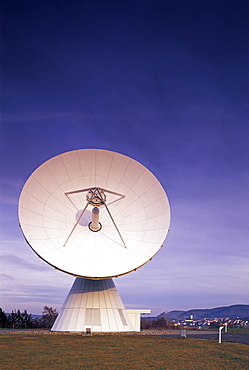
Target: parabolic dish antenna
(94,213)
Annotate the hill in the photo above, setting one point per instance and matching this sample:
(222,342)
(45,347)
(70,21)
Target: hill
(234,311)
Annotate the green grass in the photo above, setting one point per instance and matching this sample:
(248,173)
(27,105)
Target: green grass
(109,352)
(229,329)
(238,330)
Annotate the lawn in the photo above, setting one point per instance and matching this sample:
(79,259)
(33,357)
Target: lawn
(109,352)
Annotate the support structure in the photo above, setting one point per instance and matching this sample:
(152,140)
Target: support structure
(93,305)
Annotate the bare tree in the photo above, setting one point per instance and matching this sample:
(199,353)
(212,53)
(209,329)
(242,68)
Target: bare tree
(49,315)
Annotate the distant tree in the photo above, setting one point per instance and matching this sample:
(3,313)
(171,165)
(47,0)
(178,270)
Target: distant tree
(159,323)
(3,319)
(37,322)
(215,324)
(13,319)
(26,319)
(19,320)
(49,315)
(162,323)
(145,324)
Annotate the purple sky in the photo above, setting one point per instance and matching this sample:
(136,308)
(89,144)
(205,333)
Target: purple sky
(164,82)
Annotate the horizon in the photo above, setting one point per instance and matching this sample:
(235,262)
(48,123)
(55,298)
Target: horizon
(145,315)
(161,82)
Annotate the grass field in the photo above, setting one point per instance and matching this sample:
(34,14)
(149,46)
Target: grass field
(109,352)
(238,330)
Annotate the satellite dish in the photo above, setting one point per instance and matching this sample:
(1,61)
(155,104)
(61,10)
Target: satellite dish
(94,213)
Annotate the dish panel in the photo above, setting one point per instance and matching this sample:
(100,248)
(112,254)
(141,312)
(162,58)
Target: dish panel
(54,213)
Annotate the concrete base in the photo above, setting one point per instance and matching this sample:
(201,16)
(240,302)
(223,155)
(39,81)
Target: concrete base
(93,306)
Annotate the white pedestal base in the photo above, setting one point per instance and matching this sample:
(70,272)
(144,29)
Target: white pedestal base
(94,305)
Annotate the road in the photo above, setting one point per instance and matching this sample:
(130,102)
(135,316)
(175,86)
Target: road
(214,335)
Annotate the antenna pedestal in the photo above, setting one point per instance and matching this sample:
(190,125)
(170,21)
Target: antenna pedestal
(93,305)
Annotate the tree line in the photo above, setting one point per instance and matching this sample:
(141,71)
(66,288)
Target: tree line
(24,320)
(158,324)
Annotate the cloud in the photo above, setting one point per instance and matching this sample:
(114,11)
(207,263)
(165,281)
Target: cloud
(18,261)
(6,277)
(9,190)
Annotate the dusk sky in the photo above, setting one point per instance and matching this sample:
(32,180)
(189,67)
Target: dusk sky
(164,82)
